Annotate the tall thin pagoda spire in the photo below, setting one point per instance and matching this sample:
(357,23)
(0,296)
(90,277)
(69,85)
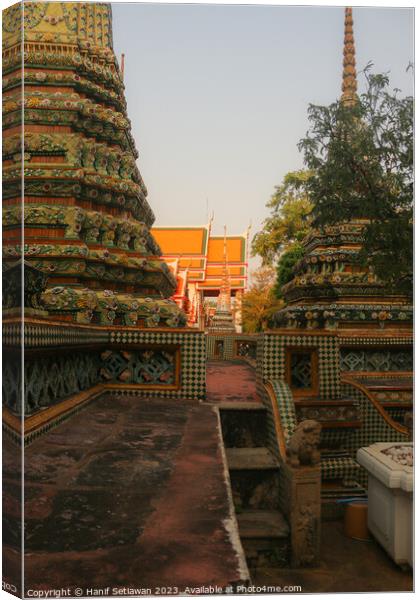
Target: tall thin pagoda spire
(223,319)
(349,85)
(225,290)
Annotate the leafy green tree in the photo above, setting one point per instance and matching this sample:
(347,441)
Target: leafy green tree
(289,220)
(285,266)
(361,163)
(260,302)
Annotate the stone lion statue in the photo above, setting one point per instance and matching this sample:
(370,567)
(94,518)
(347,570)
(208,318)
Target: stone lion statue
(303,446)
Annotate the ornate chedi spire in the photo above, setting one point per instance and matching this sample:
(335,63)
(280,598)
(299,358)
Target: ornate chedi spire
(223,319)
(224,296)
(349,85)
(86,216)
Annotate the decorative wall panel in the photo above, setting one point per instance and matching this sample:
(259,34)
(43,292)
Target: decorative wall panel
(379,359)
(48,379)
(246,349)
(143,367)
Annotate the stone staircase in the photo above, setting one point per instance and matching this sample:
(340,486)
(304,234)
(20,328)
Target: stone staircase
(255,482)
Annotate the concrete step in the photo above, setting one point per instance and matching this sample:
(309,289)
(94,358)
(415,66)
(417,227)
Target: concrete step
(244,426)
(265,538)
(339,467)
(241,406)
(339,489)
(257,524)
(250,459)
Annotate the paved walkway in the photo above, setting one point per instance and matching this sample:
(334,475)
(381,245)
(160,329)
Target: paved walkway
(346,566)
(231,381)
(129,493)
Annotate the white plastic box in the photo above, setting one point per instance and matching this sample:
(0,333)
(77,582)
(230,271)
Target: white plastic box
(390,500)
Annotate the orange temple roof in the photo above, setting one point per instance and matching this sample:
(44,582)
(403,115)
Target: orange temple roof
(191,241)
(195,250)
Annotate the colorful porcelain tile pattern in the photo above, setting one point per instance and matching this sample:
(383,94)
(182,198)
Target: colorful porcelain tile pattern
(86,217)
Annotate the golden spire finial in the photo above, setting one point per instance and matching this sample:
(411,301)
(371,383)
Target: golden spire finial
(349,85)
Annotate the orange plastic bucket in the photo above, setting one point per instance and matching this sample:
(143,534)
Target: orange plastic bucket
(355,521)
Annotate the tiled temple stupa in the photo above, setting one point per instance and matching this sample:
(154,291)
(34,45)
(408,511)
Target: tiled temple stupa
(86,216)
(331,289)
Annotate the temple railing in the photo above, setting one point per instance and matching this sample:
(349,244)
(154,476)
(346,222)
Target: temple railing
(373,415)
(376,424)
(300,487)
(281,416)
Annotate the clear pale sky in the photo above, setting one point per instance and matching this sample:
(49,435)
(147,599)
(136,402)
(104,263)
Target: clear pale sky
(218,96)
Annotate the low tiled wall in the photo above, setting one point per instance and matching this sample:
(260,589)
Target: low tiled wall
(228,346)
(220,346)
(192,357)
(65,364)
(271,354)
